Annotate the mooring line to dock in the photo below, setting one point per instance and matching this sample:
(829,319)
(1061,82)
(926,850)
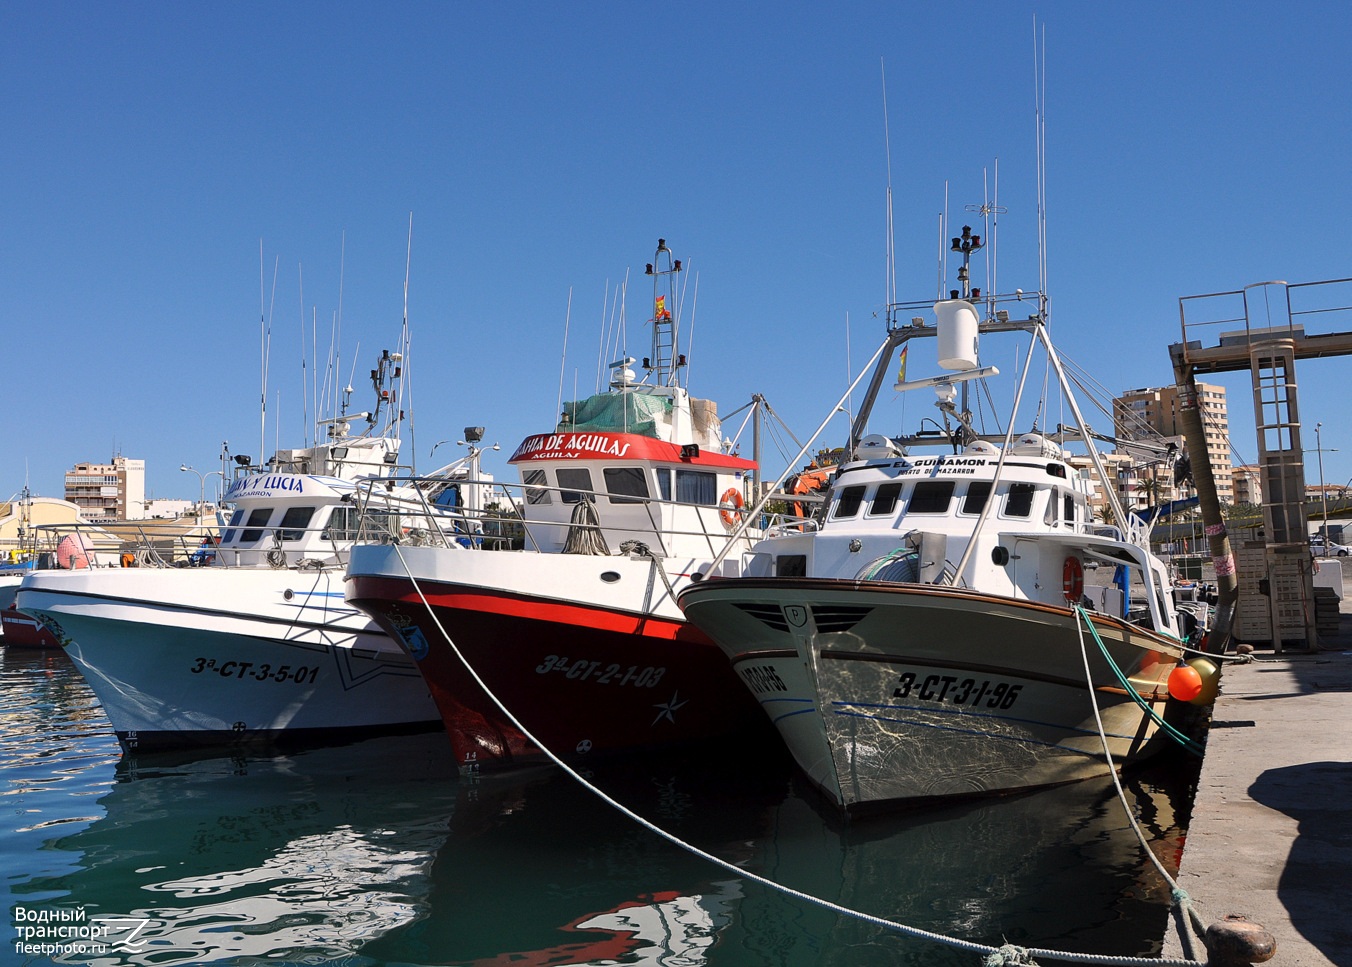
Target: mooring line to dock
(1083,616)
(1180,897)
(1007,955)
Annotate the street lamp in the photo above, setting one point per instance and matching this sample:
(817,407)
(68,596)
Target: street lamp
(202,492)
(1323,494)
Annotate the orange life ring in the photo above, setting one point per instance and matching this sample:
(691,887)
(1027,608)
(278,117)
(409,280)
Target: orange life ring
(1072,579)
(730,508)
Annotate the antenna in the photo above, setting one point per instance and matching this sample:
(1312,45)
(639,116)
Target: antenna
(265,346)
(403,391)
(262,365)
(849,369)
(939,285)
(347,392)
(601,344)
(890,268)
(336,335)
(943,249)
(690,337)
(622,331)
(314,354)
(986,210)
(304,382)
(563,359)
(1040,101)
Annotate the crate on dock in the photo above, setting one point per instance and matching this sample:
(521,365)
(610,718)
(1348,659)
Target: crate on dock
(1326,613)
(1268,586)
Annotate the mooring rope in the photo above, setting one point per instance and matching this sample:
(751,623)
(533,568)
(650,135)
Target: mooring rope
(1007,955)
(1188,743)
(643,550)
(1178,895)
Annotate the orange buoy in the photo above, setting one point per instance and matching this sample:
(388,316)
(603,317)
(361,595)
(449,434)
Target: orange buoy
(1210,677)
(1185,683)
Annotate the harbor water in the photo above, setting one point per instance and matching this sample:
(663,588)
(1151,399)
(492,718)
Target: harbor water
(376,853)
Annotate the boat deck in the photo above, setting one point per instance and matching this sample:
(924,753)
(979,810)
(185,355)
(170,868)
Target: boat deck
(1271,831)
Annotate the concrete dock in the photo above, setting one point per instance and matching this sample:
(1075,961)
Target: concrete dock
(1271,831)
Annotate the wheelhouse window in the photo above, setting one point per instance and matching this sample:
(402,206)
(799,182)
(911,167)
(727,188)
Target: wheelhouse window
(978,492)
(342,524)
(664,483)
(696,487)
(575,482)
(236,519)
(295,521)
(931,497)
(1019,500)
(625,485)
(885,499)
(258,517)
(534,480)
(848,503)
(791,566)
(1068,509)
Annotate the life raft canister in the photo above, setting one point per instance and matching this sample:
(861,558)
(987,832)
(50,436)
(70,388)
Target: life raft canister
(1072,579)
(730,508)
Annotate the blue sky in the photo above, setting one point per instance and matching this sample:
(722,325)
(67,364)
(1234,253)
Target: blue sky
(541,150)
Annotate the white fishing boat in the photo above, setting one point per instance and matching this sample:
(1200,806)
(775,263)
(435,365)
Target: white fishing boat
(932,634)
(248,639)
(578,632)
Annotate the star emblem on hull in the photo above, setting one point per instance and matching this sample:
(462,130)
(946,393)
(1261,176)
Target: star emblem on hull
(667,709)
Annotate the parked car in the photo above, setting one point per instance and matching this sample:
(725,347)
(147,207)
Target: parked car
(1317,545)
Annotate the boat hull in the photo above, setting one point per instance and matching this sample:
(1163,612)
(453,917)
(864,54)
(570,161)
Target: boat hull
(18,630)
(211,657)
(888,693)
(614,671)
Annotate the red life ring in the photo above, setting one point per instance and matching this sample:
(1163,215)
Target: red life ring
(730,508)
(1072,580)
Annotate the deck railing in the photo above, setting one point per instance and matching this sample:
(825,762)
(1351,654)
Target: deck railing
(510,516)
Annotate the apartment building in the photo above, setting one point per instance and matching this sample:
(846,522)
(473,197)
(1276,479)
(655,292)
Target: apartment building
(1154,412)
(1248,484)
(108,491)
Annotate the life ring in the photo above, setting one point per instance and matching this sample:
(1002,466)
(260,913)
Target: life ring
(1072,579)
(730,508)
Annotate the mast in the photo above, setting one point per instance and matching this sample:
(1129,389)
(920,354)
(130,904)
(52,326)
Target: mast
(664,363)
(965,246)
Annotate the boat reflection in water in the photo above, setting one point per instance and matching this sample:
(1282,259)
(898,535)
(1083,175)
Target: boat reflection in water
(1059,868)
(215,859)
(375,853)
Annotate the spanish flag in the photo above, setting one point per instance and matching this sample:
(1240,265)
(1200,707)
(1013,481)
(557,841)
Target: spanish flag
(901,373)
(660,312)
